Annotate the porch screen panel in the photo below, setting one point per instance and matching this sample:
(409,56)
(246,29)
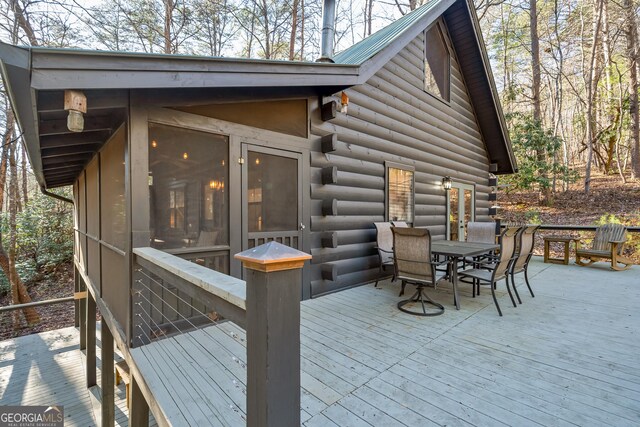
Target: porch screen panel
(112,185)
(81,240)
(189,194)
(115,284)
(93,222)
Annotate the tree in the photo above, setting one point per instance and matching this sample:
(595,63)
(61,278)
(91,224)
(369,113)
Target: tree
(633,56)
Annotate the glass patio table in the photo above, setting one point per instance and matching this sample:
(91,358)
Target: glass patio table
(455,251)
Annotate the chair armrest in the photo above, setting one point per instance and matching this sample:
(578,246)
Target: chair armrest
(617,241)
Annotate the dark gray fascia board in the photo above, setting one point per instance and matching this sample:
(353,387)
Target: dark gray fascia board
(58,69)
(15,65)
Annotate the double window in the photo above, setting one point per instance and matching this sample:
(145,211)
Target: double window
(400,192)
(437,63)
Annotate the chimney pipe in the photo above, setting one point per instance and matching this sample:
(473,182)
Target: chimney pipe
(328,31)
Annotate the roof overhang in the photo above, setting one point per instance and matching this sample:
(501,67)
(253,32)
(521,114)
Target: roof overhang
(36,78)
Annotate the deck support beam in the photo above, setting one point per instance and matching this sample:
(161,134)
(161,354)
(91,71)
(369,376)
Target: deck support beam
(138,407)
(108,377)
(90,340)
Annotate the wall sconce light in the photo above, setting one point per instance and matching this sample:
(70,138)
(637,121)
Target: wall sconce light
(76,103)
(446,183)
(344,103)
(154,144)
(257,160)
(185,155)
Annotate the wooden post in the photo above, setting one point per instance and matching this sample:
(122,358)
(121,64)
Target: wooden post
(82,310)
(77,314)
(274,287)
(91,340)
(138,407)
(107,378)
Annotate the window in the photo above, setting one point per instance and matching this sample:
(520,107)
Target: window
(400,193)
(437,63)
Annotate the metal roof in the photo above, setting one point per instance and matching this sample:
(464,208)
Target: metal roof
(370,46)
(36,78)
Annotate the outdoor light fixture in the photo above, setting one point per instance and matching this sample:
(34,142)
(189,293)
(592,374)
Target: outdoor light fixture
(154,144)
(76,103)
(446,183)
(344,103)
(185,155)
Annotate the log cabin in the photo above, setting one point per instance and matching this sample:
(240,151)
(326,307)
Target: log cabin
(203,157)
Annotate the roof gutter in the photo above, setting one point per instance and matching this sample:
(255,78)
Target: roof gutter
(55,196)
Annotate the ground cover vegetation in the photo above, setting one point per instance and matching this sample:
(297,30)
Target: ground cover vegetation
(566,73)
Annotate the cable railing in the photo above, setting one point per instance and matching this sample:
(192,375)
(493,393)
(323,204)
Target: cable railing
(205,333)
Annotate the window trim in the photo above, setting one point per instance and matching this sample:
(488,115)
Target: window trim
(443,34)
(412,169)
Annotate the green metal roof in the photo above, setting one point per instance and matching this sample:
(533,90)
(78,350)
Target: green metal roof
(370,46)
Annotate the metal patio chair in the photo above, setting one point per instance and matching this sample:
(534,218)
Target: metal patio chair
(526,240)
(491,274)
(414,265)
(384,246)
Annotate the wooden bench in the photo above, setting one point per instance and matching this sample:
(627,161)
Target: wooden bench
(122,374)
(607,244)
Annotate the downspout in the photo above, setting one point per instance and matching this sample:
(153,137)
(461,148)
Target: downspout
(328,31)
(55,196)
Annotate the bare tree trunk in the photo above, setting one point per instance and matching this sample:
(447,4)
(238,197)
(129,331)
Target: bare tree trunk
(23,21)
(302,16)
(168,18)
(19,292)
(25,177)
(631,32)
(294,30)
(265,17)
(591,87)
(545,196)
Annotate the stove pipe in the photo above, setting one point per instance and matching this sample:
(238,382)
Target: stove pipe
(328,31)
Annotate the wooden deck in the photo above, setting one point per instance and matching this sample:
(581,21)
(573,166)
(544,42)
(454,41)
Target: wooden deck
(48,369)
(569,356)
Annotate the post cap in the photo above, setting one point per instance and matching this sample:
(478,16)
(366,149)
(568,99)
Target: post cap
(272,256)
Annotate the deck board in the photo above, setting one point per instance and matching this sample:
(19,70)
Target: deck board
(567,357)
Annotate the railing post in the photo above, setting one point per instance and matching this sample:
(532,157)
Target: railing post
(274,287)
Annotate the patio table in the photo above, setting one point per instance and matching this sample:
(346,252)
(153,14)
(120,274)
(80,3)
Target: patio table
(455,250)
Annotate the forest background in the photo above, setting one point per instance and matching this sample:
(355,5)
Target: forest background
(566,71)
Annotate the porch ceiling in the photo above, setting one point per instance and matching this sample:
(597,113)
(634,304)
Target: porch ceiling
(63,153)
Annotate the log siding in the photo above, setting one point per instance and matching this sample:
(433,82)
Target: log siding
(390,118)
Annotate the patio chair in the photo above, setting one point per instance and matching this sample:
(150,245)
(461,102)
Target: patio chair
(526,240)
(499,270)
(414,265)
(384,246)
(479,232)
(607,244)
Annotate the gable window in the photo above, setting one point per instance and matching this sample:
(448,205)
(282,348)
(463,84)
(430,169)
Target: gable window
(400,192)
(437,63)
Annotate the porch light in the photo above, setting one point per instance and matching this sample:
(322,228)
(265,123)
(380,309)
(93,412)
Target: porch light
(154,144)
(76,103)
(446,183)
(185,155)
(344,103)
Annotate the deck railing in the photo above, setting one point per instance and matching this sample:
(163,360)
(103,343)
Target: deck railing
(175,296)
